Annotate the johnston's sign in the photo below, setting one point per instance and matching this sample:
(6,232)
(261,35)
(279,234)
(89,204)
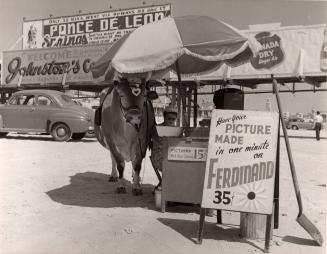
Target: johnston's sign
(49,65)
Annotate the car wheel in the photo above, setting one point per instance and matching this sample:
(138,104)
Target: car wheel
(61,132)
(3,134)
(294,127)
(78,136)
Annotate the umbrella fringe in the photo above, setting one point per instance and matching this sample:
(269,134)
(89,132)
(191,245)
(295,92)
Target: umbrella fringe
(218,57)
(172,59)
(188,75)
(168,62)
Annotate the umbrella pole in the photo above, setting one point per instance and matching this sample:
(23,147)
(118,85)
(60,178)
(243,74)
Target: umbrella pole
(173,99)
(182,94)
(301,218)
(195,107)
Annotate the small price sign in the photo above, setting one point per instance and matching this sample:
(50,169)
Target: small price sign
(187,153)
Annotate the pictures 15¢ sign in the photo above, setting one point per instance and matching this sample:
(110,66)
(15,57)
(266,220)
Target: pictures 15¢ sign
(184,153)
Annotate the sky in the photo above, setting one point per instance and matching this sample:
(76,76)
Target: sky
(239,13)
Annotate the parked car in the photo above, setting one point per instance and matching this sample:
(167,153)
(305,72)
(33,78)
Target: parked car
(300,123)
(45,111)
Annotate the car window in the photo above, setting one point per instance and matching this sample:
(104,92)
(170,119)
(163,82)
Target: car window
(44,101)
(13,101)
(22,99)
(30,100)
(68,100)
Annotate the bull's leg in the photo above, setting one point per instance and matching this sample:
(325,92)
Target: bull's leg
(121,185)
(136,187)
(114,175)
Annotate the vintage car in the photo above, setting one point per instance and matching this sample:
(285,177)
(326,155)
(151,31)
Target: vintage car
(45,111)
(300,123)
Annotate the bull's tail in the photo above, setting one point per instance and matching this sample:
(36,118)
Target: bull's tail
(98,112)
(147,129)
(97,116)
(99,135)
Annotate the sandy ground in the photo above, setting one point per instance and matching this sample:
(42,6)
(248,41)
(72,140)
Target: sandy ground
(55,198)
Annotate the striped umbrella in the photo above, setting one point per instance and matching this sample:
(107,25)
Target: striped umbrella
(199,44)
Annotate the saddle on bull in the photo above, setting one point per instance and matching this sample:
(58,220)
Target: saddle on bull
(125,122)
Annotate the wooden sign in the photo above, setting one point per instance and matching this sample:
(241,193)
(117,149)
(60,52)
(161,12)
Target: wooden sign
(240,168)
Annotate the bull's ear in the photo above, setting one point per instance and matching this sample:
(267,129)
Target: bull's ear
(152,95)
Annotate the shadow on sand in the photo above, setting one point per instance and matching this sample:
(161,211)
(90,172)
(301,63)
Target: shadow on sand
(189,229)
(299,240)
(44,137)
(92,189)
(32,138)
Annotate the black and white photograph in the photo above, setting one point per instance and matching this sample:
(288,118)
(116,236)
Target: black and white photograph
(168,127)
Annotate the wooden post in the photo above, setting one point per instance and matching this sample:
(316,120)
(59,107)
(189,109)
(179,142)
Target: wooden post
(189,97)
(179,104)
(173,99)
(183,94)
(180,95)
(253,226)
(195,107)
(201,225)
(276,187)
(268,233)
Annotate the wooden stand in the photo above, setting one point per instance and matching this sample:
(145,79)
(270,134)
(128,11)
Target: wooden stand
(267,219)
(252,226)
(175,187)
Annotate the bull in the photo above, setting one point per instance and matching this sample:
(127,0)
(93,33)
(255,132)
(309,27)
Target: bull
(125,127)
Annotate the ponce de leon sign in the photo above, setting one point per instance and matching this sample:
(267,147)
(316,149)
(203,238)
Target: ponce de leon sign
(89,29)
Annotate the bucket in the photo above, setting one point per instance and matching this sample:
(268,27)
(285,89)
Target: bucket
(157,198)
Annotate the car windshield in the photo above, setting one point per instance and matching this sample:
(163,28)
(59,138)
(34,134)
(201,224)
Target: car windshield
(68,100)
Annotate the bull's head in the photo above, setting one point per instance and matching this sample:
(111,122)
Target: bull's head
(132,100)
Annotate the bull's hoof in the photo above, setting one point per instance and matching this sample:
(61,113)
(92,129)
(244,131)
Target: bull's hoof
(137,192)
(121,190)
(113,179)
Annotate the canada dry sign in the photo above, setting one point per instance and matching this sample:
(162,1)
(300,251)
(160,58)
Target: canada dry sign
(240,168)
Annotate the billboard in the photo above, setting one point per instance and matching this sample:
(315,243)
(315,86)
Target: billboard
(90,29)
(41,66)
(286,52)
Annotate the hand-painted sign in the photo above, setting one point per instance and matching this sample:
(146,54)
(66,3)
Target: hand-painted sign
(50,65)
(240,168)
(271,53)
(187,153)
(91,29)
